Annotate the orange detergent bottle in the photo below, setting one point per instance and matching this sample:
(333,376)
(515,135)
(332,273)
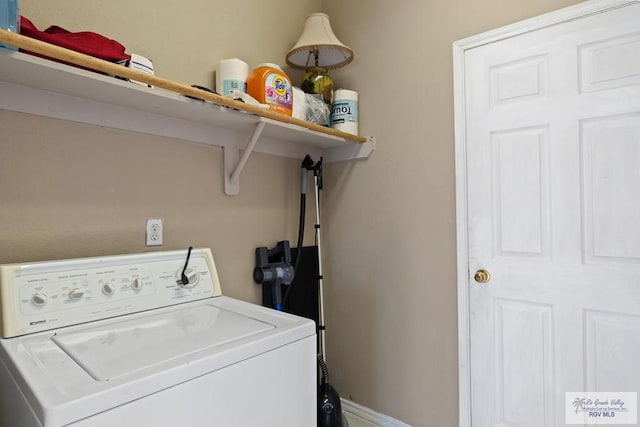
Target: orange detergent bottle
(268,84)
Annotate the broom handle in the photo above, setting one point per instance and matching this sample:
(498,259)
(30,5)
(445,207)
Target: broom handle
(320,287)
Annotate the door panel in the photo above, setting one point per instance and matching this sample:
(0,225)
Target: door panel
(521,80)
(553,213)
(521,327)
(520,173)
(610,63)
(611,179)
(611,343)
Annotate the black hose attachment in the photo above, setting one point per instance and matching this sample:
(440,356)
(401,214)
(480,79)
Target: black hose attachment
(324,370)
(306,166)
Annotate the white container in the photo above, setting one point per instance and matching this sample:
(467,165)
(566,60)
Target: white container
(344,111)
(138,63)
(231,76)
(299,104)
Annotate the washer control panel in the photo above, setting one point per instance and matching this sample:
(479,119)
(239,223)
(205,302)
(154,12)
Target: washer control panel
(46,295)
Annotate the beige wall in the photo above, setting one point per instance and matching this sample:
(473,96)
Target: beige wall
(390,235)
(184,39)
(72,190)
(389,222)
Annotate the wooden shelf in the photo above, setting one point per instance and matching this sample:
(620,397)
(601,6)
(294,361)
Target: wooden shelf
(47,88)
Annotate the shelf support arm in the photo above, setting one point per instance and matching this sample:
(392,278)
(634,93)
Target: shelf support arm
(232,181)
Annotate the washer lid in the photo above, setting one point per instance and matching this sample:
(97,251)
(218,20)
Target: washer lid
(120,348)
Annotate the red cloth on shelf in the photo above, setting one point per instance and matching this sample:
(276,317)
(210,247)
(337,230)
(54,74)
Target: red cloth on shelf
(86,42)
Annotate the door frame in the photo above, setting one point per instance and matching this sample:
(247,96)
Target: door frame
(577,11)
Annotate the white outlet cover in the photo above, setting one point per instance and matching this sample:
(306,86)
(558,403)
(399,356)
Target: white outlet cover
(154,232)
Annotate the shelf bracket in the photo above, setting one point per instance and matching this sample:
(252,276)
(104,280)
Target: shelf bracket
(232,159)
(350,152)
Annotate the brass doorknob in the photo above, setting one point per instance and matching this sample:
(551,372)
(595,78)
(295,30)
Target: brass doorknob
(482,276)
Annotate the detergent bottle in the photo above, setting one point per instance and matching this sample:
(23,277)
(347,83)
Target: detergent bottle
(268,84)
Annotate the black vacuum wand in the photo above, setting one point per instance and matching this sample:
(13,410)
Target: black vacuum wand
(317,180)
(329,406)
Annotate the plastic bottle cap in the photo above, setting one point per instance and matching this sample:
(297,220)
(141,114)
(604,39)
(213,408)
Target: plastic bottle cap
(270,65)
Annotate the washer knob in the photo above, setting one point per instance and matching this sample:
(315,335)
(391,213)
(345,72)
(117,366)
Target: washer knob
(108,289)
(76,294)
(192,277)
(39,299)
(137,284)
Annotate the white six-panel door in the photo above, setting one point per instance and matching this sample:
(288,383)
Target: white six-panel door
(551,152)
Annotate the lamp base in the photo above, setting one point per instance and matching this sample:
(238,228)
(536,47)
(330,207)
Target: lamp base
(316,81)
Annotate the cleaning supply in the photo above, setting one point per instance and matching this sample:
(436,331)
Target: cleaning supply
(9,18)
(299,110)
(270,85)
(329,406)
(138,63)
(344,111)
(231,76)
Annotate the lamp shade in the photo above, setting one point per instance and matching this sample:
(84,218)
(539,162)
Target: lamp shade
(317,38)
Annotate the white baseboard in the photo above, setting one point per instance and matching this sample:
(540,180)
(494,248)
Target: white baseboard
(371,415)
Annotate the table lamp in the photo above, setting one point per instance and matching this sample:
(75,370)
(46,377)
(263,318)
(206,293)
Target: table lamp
(316,51)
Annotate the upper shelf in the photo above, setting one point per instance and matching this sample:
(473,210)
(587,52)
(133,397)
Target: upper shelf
(39,86)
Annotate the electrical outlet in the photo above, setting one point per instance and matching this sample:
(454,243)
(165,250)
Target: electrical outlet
(154,232)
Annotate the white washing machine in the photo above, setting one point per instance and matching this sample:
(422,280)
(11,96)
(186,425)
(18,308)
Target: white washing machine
(124,341)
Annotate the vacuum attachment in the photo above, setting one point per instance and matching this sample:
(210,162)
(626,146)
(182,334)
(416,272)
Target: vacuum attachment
(274,274)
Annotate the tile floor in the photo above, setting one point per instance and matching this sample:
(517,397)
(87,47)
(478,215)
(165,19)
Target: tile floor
(356,421)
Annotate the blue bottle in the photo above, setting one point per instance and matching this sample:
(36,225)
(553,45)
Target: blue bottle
(9,18)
